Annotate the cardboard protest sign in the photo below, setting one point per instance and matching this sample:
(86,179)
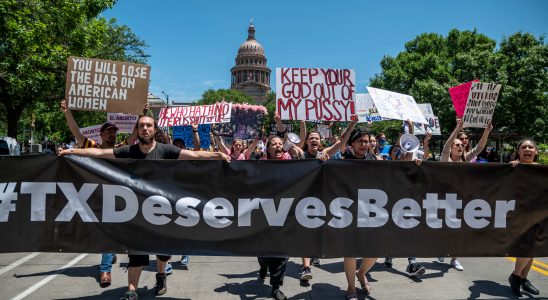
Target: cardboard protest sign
(92,133)
(315,94)
(459,96)
(185,133)
(246,122)
(103,85)
(219,112)
(366,110)
(481,104)
(324,130)
(274,130)
(124,122)
(392,105)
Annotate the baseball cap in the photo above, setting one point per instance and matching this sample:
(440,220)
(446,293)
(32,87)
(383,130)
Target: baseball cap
(108,125)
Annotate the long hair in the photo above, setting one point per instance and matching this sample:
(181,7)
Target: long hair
(305,147)
(268,143)
(516,154)
(468,145)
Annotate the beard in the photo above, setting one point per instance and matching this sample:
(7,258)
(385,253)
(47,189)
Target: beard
(145,141)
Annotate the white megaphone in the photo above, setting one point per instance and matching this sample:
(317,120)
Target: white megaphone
(292,139)
(409,143)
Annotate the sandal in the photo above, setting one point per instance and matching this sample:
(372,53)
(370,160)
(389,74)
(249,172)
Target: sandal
(352,296)
(364,285)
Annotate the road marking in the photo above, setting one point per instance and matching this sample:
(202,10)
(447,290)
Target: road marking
(537,266)
(19,262)
(42,282)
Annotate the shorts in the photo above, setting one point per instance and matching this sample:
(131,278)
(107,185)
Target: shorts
(142,260)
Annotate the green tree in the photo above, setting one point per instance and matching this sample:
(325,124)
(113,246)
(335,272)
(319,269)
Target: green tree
(36,39)
(432,63)
(212,96)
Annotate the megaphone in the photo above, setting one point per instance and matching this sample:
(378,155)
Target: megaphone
(291,140)
(409,143)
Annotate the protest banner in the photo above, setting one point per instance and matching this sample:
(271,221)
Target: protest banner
(315,94)
(219,112)
(459,96)
(324,130)
(185,133)
(433,125)
(265,208)
(481,104)
(392,105)
(246,122)
(103,85)
(366,110)
(92,133)
(124,122)
(274,130)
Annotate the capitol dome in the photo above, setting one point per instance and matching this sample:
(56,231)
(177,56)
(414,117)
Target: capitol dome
(250,74)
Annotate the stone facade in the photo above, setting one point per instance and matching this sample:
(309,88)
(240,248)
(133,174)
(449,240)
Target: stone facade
(250,74)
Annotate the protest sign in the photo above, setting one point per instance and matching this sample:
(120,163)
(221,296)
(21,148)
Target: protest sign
(246,122)
(324,130)
(433,125)
(103,85)
(459,96)
(92,133)
(315,94)
(365,109)
(219,112)
(392,105)
(274,130)
(185,133)
(481,104)
(124,122)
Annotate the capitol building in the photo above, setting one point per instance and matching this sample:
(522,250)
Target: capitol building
(250,74)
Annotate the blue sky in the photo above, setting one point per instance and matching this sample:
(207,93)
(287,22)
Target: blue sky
(193,44)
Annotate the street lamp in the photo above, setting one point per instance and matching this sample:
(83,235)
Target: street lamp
(167,98)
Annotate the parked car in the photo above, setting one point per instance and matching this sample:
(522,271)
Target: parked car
(9,146)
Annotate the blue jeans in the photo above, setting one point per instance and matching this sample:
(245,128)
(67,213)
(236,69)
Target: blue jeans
(106,262)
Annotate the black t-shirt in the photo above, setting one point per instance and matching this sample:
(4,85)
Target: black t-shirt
(349,155)
(160,151)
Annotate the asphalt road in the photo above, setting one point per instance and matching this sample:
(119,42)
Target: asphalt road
(75,276)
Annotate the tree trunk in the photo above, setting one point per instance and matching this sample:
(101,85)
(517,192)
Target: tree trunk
(13,115)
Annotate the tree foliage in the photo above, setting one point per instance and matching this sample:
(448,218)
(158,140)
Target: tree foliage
(212,96)
(36,39)
(432,63)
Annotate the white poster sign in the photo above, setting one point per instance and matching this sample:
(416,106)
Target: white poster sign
(392,105)
(219,112)
(481,104)
(124,122)
(433,125)
(92,133)
(313,94)
(366,109)
(324,130)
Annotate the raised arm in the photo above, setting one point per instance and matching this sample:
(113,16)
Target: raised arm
(221,145)
(88,152)
(251,148)
(340,144)
(202,155)
(195,137)
(74,129)
(426,147)
(302,134)
(447,147)
(481,144)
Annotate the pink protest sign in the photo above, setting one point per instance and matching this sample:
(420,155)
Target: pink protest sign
(459,96)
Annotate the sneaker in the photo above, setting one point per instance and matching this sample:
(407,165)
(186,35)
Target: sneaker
(455,263)
(130,295)
(168,269)
(315,262)
(415,269)
(441,259)
(277,294)
(515,284)
(161,284)
(528,287)
(306,274)
(388,262)
(184,260)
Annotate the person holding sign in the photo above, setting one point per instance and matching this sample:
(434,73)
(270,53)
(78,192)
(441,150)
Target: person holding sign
(526,153)
(147,148)
(453,151)
(237,151)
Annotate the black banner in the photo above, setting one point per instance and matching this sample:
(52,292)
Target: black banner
(291,208)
